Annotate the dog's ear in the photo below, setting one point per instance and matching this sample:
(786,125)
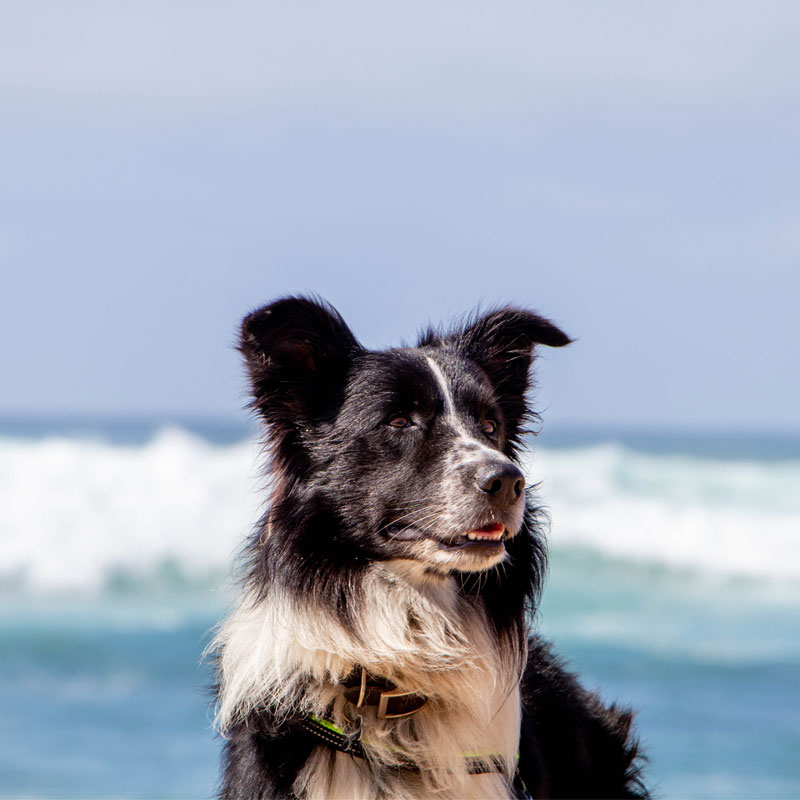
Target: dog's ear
(298,352)
(502,342)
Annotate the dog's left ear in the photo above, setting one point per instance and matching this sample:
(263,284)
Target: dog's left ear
(503,342)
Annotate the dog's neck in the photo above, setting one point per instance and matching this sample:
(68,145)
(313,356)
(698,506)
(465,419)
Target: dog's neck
(436,587)
(411,625)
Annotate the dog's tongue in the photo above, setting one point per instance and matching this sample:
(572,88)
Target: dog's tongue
(495,527)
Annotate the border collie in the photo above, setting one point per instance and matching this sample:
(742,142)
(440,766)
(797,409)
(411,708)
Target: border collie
(382,648)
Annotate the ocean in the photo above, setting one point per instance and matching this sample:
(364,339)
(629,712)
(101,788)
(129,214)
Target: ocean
(674,587)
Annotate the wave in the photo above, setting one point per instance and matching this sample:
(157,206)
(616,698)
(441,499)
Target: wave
(734,517)
(82,515)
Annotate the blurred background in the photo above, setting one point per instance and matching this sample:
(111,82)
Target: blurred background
(630,170)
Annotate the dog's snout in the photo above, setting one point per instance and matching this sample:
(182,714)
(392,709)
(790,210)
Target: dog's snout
(504,483)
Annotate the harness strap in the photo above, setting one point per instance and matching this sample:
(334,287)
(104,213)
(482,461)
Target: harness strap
(332,736)
(327,733)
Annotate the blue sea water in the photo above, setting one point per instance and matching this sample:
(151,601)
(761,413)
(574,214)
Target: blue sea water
(674,586)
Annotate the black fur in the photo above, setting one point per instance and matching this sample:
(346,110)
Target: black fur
(571,744)
(344,476)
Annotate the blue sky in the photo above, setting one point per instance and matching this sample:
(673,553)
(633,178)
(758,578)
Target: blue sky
(629,169)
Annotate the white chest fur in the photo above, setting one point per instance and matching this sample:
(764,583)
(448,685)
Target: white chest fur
(415,631)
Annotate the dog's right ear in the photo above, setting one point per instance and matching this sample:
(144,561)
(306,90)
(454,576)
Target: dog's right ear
(298,352)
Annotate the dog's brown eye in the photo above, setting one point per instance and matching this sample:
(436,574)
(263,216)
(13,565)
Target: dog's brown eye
(400,422)
(489,427)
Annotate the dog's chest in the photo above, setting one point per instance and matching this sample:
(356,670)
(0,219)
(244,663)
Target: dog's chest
(458,753)
(294,660)
(342,778)
(462,744)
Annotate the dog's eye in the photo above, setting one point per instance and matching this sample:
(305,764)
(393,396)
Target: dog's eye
(489,427)
(400,422)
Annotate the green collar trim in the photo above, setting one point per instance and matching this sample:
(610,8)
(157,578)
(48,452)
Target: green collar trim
(472,755)
(326,724)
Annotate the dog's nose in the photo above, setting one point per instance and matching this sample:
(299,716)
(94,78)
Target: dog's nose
(503,483)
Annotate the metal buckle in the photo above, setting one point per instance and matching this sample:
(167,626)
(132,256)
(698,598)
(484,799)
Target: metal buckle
(383,704)
(368,694)
(362,692)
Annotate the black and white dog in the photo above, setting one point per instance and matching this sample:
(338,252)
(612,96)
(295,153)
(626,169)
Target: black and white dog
(382,647)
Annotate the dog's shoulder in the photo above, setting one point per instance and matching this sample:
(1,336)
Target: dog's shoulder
(261,759)
(572,744)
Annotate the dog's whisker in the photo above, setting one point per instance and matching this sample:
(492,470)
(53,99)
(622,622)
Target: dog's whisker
(405,516)
(418,524)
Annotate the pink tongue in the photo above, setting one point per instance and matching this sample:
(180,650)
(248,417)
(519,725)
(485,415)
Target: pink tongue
(495,527)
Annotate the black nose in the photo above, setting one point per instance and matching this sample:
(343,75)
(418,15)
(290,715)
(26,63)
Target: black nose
(504,483)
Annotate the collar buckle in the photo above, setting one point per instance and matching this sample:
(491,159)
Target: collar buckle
(391,703)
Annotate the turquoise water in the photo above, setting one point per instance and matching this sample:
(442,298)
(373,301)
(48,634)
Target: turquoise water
(674,587)
(105,701)
(711,665)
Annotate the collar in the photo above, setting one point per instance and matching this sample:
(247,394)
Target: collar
(351,743)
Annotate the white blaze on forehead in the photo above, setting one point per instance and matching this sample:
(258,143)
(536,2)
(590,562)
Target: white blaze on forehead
(450,407)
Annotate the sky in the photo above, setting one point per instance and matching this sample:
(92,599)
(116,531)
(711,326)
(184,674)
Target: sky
(630,170)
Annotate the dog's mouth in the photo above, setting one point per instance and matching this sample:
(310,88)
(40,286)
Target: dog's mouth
(491,536)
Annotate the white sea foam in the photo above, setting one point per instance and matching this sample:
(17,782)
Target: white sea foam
(75,514)
(728,517)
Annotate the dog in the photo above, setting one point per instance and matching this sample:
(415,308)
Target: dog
(383,646)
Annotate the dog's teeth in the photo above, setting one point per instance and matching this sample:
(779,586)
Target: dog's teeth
(481,536)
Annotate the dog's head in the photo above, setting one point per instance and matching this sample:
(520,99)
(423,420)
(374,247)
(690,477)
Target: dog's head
(407,453)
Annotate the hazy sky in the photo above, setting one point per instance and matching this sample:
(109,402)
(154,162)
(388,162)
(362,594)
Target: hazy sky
(630,169)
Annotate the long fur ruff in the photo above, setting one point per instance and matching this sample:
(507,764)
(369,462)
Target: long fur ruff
(418,632)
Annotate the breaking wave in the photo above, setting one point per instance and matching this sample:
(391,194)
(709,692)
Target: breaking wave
(87,515)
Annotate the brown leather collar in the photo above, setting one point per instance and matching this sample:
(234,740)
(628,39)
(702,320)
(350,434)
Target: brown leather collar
(363,689)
